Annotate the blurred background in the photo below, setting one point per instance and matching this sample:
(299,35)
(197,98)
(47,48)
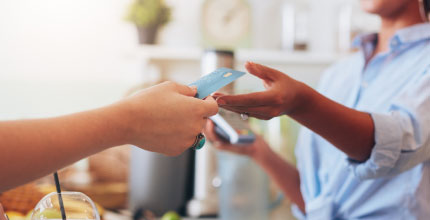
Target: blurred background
(64,56)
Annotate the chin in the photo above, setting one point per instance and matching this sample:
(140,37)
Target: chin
(374,6)
(385,7)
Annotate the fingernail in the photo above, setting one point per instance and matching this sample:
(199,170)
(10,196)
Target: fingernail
(221,101)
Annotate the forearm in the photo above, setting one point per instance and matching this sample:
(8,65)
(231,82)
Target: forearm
(33,148)
(349,130)
(285,175)
(165,118)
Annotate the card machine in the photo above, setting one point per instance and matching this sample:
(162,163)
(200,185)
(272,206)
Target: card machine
(231,128)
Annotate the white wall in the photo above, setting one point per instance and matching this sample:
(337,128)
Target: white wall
(60,56)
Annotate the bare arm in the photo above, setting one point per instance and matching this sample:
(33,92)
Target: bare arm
(164,119)
(34,148)
(285,175)
(349,130)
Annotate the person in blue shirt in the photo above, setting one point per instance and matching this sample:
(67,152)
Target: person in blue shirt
(364,150)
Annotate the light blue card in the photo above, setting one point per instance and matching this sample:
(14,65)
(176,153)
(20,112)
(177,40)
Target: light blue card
(214,81)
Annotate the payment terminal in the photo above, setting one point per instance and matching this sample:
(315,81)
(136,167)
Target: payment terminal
(231,128)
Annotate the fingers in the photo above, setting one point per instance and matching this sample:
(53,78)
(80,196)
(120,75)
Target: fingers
(194,90)
(257,111)
(246,100)
(256,114)
(2,214)
(210,106)
(215,95)
(185,90)
(209,131)
(242,150)
(210,134)
(262,72)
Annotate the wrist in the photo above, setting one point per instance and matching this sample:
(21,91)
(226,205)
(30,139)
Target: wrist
(263,156)
(121,123)
(303,99)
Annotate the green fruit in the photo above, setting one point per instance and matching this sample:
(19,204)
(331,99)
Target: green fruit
(171,215)
(48,214)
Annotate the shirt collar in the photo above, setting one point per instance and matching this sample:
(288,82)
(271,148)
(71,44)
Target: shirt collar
(366,43)
(406,35)
(364,39)
(413,33)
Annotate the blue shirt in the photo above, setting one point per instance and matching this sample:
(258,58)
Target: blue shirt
(394,183)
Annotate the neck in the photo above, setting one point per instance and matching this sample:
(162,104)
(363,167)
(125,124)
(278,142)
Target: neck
(390,24)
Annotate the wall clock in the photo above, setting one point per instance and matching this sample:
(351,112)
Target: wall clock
(226,24)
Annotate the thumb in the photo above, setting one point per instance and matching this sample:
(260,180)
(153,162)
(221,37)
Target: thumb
(211,106)
(262,72)
(186,90)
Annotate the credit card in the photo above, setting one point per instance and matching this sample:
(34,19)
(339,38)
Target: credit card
(214,81)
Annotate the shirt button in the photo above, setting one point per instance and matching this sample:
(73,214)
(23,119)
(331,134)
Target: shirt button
(364,84)
(395,42)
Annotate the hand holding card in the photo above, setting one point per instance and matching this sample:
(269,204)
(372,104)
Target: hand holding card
(209,84)
(214,81)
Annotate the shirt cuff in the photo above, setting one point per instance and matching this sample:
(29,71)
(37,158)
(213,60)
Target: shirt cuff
(385,153)
(319,208)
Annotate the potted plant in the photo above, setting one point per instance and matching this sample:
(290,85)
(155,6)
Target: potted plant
(148,16)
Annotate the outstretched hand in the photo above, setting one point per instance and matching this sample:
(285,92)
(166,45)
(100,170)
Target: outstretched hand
(282,95)
(349,130)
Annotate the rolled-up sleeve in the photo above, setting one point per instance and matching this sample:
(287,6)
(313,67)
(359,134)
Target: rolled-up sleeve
(402,135)
(298,214)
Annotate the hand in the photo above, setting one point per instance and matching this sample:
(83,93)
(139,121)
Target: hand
(257,150)
(283,95)
(2,214)
(285,175)
(166,118)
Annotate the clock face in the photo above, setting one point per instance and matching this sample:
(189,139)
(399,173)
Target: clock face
(226,22)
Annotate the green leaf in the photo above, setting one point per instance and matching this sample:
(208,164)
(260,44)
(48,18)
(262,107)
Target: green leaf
(147,13)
